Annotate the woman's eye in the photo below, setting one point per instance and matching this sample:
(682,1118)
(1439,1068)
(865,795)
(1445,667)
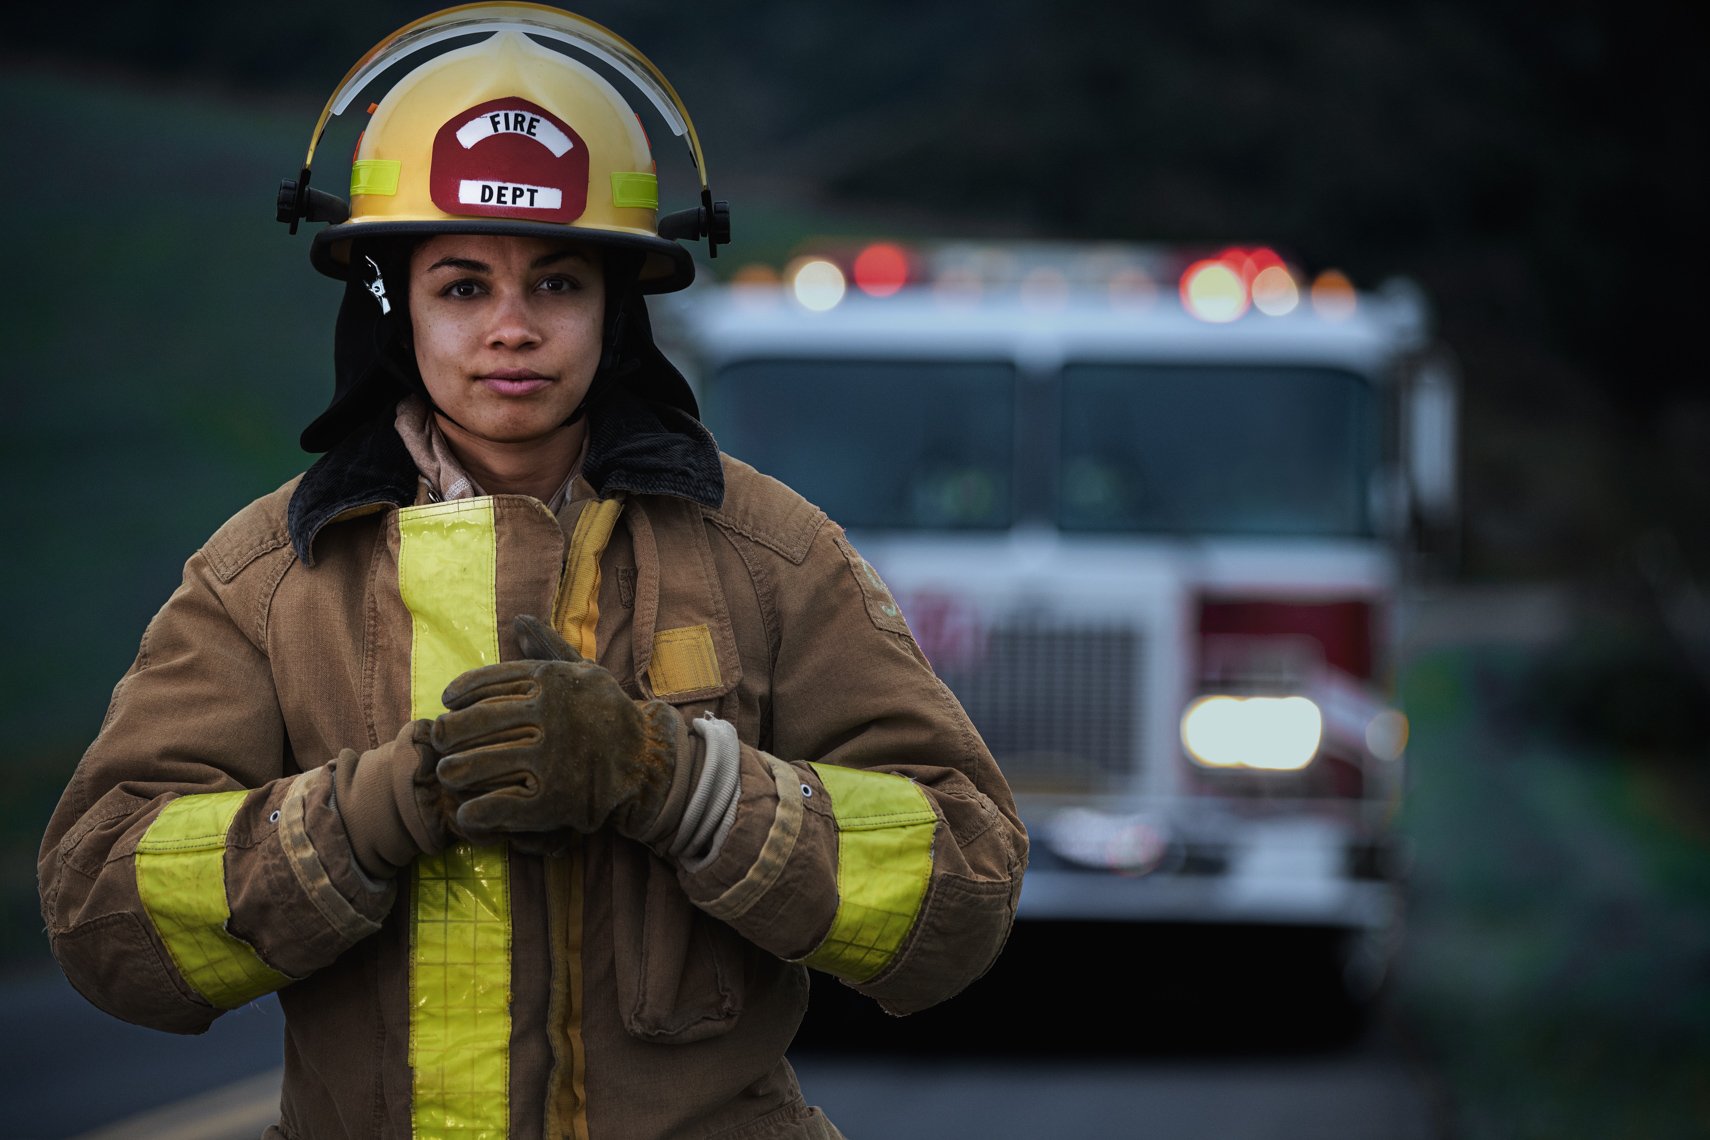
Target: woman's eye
(557,285)
(462,289)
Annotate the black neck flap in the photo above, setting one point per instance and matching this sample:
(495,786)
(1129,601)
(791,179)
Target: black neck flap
(641,440)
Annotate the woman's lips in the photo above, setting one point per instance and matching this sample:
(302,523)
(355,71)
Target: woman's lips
(514,382)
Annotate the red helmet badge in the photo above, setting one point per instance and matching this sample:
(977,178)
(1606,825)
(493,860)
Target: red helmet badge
(509,158)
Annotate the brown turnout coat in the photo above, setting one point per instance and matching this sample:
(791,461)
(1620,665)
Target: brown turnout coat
(645,1000)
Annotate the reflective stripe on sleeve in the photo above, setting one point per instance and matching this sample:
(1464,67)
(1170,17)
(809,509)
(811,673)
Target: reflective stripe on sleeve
(884,859)
(460,947)
(181,877)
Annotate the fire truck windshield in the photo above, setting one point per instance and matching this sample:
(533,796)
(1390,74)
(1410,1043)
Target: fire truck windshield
(1148,448)
(886,444)
(1217,449)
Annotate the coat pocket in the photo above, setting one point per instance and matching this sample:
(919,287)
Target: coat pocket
(679,970)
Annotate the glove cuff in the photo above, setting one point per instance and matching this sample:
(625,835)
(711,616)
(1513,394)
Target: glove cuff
(667,746)
(712,806)
(379,794)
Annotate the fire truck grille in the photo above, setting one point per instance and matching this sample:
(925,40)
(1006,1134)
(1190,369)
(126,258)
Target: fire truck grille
(1056,704)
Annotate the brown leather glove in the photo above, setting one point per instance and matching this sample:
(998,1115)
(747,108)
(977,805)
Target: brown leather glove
(535,746)
(393,807)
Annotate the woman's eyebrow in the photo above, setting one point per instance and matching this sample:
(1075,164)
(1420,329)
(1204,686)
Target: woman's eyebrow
(468,265)
(556,255)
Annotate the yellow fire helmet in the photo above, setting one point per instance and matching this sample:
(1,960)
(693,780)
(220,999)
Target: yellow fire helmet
(507,133)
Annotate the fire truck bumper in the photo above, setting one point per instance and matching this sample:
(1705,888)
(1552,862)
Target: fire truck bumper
(1279,872)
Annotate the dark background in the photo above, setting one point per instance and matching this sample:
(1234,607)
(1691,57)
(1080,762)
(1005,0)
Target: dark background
(1540,173)
(1539,170)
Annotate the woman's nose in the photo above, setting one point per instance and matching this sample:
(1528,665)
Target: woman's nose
(513,324)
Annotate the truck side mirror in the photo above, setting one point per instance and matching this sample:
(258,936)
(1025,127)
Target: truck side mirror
(1432,450)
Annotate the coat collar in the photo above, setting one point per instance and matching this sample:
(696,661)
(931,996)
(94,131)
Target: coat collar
(635,444)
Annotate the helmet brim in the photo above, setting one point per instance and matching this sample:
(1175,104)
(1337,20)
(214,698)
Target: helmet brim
(665,268)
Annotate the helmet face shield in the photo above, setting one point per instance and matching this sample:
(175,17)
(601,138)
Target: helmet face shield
(535,19)
(503,131)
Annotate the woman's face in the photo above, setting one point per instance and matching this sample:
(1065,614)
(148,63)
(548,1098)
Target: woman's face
(507,331)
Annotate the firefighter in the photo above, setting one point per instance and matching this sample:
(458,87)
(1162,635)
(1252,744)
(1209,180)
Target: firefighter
(527,746)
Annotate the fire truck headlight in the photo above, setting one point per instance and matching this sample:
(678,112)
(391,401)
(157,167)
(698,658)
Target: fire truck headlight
(1277,734)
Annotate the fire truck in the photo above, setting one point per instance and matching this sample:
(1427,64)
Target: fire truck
(1153,515)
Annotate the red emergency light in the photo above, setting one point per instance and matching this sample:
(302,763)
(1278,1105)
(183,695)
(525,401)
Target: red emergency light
(880,269)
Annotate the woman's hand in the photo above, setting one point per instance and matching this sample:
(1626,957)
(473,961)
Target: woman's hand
(529,748)
(392,803)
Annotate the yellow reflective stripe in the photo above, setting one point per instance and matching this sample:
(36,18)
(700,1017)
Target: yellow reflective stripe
(460,948)
(460,995)
(884,859)
(181,877)
(579,601)
(634,188)
(374,176)
(446,567)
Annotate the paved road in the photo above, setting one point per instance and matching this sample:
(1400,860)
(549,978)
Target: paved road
(1370,1093)
(68,1068)
(1107,1033)
(1164,1058)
